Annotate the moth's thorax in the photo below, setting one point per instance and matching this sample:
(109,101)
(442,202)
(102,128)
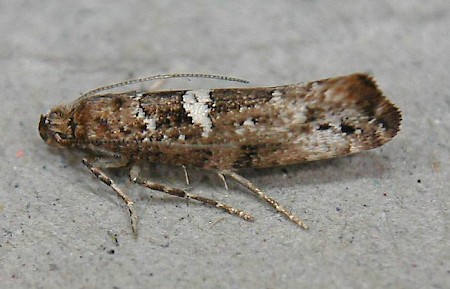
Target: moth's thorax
(124,122)
(107,119)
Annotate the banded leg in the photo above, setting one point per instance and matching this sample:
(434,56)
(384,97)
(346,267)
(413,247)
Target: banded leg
(109,182)
(243,181)
(183,194)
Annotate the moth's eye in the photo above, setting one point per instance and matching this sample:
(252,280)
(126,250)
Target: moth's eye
(54,114)
(53,117)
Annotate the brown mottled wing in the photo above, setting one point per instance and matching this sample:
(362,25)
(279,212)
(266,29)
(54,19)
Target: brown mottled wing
(263,127)
(244,127)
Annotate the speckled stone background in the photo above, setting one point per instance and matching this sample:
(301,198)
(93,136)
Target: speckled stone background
(379,219)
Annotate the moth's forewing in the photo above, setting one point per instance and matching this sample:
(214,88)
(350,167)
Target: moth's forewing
(239,127)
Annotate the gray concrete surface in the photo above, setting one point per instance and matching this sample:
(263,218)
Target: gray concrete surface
(379,219)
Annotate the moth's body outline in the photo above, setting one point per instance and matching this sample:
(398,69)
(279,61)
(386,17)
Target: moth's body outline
(225,129)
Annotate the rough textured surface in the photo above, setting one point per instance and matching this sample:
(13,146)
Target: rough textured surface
(378,219)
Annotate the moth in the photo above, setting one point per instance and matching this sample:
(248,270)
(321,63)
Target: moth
(221,130)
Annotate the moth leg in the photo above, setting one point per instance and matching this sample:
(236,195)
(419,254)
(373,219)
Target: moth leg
(222,177)
(134,177)
(109,182)
(243,181)
(186,175)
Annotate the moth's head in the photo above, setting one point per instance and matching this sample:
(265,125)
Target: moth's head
(55,127)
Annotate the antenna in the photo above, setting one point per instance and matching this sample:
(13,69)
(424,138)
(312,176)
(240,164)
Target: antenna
(162,76)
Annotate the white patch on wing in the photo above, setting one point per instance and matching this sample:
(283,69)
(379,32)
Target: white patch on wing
(139,112)
(299,116)
(276,100)
(321,142)
(277,93)
(249,122)
(195,102)
(137,95)
(150,123)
